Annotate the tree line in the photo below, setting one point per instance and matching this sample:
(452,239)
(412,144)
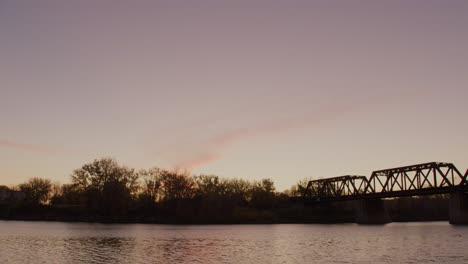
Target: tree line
(104,188)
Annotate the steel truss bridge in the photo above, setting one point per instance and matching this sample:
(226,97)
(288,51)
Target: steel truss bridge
(414,180)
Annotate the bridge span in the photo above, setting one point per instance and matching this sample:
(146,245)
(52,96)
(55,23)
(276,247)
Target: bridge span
(414,180)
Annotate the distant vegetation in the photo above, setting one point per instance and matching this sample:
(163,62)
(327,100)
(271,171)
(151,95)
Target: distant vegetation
(106,191)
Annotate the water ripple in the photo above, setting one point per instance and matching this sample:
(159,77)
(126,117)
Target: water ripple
(40,242)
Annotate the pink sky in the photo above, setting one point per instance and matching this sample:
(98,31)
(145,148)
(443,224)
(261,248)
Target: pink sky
(247,89)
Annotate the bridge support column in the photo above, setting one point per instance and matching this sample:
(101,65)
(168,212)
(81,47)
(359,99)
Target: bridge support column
(371,212)
(458,208)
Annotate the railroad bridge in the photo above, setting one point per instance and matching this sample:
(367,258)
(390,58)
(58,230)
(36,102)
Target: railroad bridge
(415,180)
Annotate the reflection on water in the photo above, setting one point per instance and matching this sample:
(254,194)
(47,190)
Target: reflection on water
(41,242)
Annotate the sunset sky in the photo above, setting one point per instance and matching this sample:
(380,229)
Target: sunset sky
(249,89)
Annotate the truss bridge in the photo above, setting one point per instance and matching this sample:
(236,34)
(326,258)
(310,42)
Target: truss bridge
(414,180)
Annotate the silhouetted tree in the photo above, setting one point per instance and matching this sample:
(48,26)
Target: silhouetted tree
(176,186)
(299,188)
(108,187)
(101,171)
(151,188)
(36,190)
(263,194)
(116,198)
(218,197)
(151,183)
(208,185)
(238,188)
(71,195)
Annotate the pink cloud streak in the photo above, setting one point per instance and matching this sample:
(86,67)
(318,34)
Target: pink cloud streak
(24,146)
(197,161)
(212,149)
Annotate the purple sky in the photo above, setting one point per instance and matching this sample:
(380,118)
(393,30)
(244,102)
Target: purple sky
(249,89)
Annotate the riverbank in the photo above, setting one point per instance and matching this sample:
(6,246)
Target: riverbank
(400,210)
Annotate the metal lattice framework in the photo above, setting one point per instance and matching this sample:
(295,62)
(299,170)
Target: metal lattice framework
(420,179)
(348,185)
(415,178)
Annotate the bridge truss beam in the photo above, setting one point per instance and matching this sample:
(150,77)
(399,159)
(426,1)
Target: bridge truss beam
(348,185)
(420,179)
(431,175)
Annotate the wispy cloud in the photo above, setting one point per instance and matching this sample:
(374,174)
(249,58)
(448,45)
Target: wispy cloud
(213,149)
(24,146)
(197,161)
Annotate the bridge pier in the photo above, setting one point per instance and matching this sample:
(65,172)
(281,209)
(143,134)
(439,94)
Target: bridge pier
(458,208)
(371,212)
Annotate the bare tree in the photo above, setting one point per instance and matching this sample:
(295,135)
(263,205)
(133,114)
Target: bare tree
(37,190)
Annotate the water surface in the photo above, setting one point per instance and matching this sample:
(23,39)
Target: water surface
(49,242)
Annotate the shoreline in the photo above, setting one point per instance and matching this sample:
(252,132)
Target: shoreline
(181,223)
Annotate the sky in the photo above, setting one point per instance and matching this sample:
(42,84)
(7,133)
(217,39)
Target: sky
(255,89)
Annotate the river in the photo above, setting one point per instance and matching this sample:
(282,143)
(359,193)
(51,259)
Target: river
(53,242)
